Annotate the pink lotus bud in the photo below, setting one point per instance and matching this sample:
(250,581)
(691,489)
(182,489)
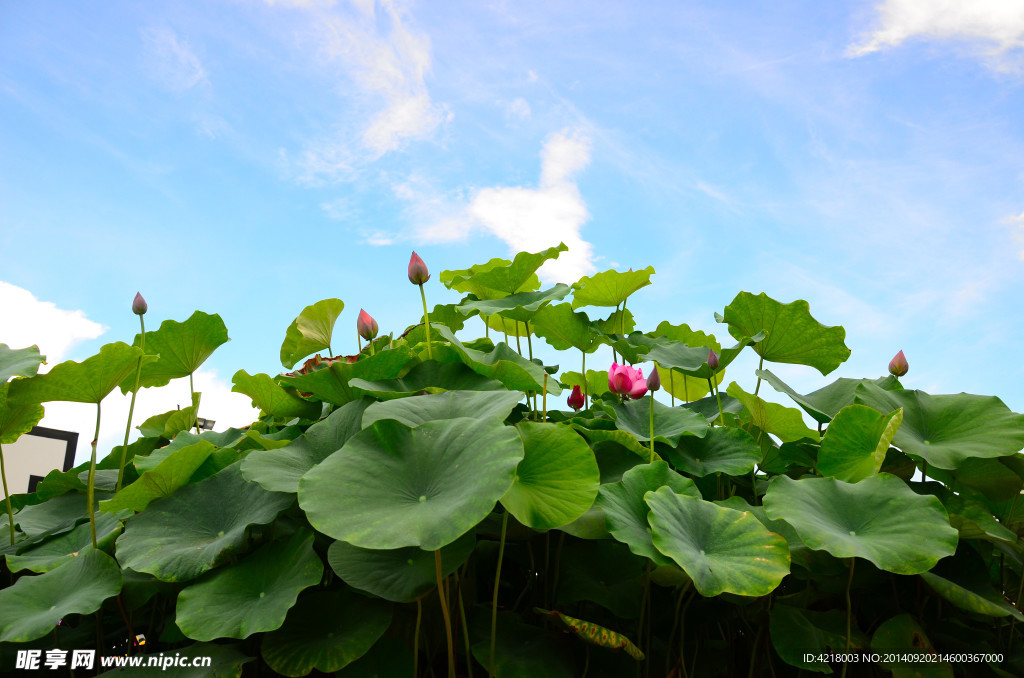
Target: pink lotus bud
(626,380)
(654,381)
(898,366)
(366,326)
(712,359)
(418,273)
(575,400)
(139,306)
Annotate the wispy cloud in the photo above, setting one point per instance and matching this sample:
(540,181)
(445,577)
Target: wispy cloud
(995,27)
(1016,223)
(26,320)
(388,59)
(171,60)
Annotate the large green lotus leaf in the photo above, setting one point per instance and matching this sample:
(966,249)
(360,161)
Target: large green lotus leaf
(675,355)
(974,520)
(798,552)
(430,377)
(879,519)
(722,550)
(182,348)
(225,661)
(221,439)
(564,329)
(19,362)
(856,442)
(619,321)
(974,594)
(708,407)
(557,480)
(272,398)
(391,486)
(603,572)
(332,384)
(797,633)
(170,474)
(825,403)
(625,510)
(34,605)
(603,430)
(400,575)
(279,470)
(54,552)
(947,429)
(168,424)
(508,326)
(670,423)
(784,422)
(731,451)
(502,276)
(793,335)
(523,651)
(310,331)
(902,634)
(253,595)
(17,416)
(610,288)
(86,382)
(502,363)
(683,386)
(179,537)
(596,383)
(54,516)
(449,315)
(520,307)
(327,631)
(449,405)
(992,478)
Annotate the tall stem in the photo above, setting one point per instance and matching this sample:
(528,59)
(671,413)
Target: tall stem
(90,491)
(672,387)
(529,341)
(131,408)
(465,626)
(444,612)
(545,398)
(718,396)
(652,428)
(416,639)
(759,367)
(7,495)
(426,322)
(849,612)
(494,595)
(584,373)
(192,394)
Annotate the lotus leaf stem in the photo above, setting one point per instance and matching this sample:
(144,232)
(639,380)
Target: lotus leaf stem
(7,495)
(672,387)
(416,639)
(442,596)
(90,491)
(759,367)
(545,398)
(652,428)
(465,626)
(494,595)
(426,321)
(529,342)
(131,407)
(718,396)
(584,373)
(192,393)
(849,613)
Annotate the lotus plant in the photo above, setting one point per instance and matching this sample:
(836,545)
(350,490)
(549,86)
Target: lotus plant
(366,327)
(898,366)
(418,275)
(653,384)
(139,308)
(627,381)
(576,400)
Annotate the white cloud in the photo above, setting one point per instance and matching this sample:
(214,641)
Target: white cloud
(533,219)
(1017,224)
(388,60)
(997,26)
(172,61)
(27,320)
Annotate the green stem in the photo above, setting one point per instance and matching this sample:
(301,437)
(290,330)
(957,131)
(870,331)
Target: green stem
(519,345)
(545,397)
(1013,622)
(682,638)
(131,407)
(529,342)
(192,394)
(90,491)
(426,322)
(465,626)
(849,612)
(487,328)
(586,663)
(584,373)
(759,367)
(675,625)
(652,428)
(416,639)
(494,595)
(7,495)
(444,612)
(721,414)
(671,388)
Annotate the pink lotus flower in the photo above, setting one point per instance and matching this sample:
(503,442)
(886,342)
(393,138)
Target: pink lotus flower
(418,273)
(139,306)
(898,366)
(626,380)
(366,326)
(575,400)
(653,380)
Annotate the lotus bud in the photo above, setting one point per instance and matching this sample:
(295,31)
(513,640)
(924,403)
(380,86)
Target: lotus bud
(898,366)
(139,306)
(575,400)
(712,359)
(366,326)
(654,381)
(418,273)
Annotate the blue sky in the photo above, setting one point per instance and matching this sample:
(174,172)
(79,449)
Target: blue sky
(250,158)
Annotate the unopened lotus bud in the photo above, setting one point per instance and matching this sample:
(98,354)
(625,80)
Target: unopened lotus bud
(418,273)
(575,400)
(653,381)
(712,359)
(898,366)
(366,326)
(139,306)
